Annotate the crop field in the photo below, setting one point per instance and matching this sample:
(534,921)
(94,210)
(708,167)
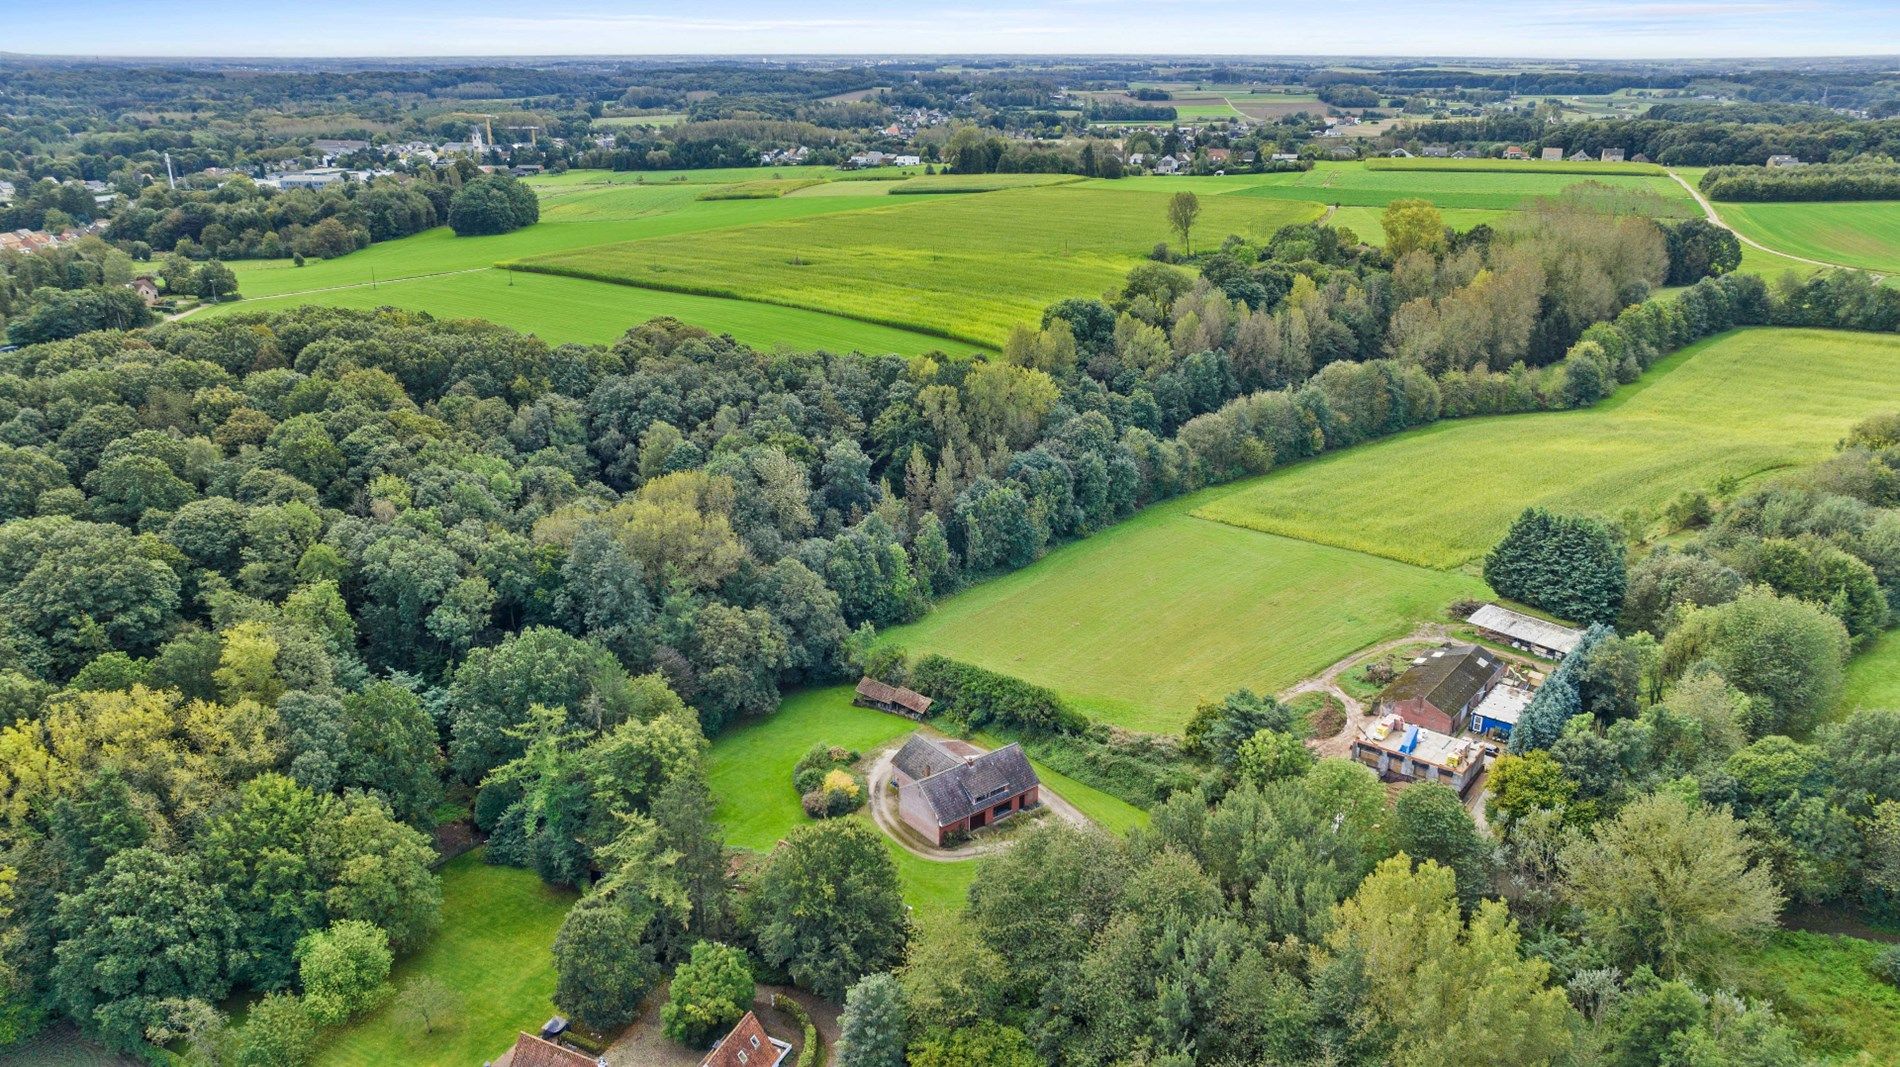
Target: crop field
(966,267)
(560,310)
(1139,623)
(1355,184)
(1862,233)
(1516,166)
(497,924)
(1743,404)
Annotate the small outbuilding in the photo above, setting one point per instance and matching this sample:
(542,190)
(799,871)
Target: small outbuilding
(532,1051)
(895,699)
(1539,637)
(1499,711)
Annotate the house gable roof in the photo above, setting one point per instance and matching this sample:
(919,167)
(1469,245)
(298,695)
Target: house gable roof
(1447,679)
(922,757)
(532,1051)
(978,783)
(747,1045)
(879,693)
(1521,627)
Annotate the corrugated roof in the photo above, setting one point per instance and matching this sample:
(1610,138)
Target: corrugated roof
(1446,678)
(1521,627)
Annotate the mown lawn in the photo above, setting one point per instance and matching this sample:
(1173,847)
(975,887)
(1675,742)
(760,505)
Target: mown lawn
(963,267)
(494,950)
(1824,987)
(561,310)
(1863,233)
(1141,622)
(1744,404)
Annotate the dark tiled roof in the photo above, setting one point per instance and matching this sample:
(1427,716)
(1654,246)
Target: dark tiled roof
(921,757)
(1448,678)
(968,788)
(531,1051)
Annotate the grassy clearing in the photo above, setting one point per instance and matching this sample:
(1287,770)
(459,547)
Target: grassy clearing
(1514,166)
(1139,623)
(1873,677)
(705,176)
(1743,404)
(1863,233)
(1824,987)
(560,310)
(1360,185)
(966,268)
(763,189)
(494,950)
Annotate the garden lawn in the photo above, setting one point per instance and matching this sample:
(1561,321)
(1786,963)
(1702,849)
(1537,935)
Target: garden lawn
(1742,404)
(1824,987)
(963,267)
(495,950)
(560,310)
(1861,233)
(1141,622)
(1873,677)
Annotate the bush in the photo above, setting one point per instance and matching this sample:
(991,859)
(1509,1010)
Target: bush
(344,969)
(710,992)
(820,760)
(839,793)
(811,1049)
(1887,964)
(984,698)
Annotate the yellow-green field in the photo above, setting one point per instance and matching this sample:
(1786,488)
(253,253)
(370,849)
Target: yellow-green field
(1862,233)
(1366,185)
(965,267)
(1740,405)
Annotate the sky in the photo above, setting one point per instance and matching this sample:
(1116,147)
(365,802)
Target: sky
(1646,29)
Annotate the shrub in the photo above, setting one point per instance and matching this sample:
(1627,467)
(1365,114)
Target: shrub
(710,992)
(343,969)
(811,1049)
(984,698)
(838,793)
(1887,964)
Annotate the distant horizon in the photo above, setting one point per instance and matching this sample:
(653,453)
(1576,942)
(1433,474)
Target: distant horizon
(1532,30)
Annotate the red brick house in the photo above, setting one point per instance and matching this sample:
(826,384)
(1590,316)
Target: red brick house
(748,1045)
(1441,687)
(948,787)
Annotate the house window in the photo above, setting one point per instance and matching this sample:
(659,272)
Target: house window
(755,1041)
(742,1055)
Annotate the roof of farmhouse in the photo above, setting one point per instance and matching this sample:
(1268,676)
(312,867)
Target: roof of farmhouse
(1447,678)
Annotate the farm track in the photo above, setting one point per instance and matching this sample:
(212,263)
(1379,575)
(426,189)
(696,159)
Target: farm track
(1708,209)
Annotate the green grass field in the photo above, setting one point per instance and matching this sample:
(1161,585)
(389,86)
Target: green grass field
(1139,623)
(1823,986)
(1362,185)
(494,950)
(1515,166)
(561,309)
(1873,677)
(966,267)
(1743,404)
(1863,233)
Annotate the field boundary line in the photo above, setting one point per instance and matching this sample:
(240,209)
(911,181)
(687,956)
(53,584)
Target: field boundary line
(1715,217)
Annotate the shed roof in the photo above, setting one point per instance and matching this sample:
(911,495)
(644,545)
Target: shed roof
(1445,678)
(977,783)
(1521,627)
(873,690)
(1503,704)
